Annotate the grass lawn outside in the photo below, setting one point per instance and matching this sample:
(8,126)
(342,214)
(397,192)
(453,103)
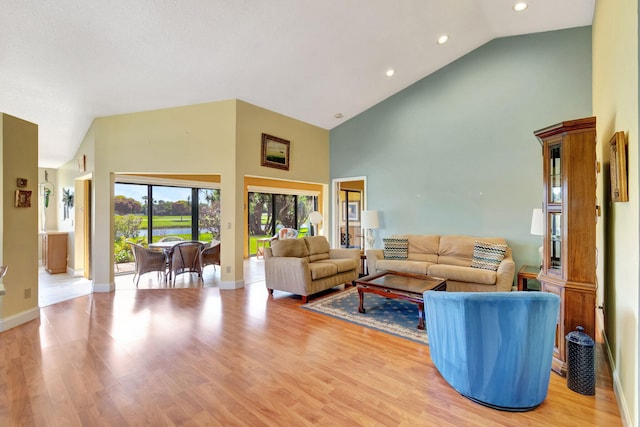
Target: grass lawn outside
(169,221)
(253,240)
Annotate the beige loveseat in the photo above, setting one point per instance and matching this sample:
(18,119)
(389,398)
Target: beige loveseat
(449,257)
(307,266)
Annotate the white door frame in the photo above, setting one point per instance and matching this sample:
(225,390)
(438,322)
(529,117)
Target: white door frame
(335,206)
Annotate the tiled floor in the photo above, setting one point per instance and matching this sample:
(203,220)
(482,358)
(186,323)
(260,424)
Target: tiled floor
(54,288)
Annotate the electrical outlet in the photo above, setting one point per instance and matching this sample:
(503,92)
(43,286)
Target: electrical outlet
(27,293)
(228,269)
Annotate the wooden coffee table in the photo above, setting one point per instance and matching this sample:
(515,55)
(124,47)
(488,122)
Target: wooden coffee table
(395,284)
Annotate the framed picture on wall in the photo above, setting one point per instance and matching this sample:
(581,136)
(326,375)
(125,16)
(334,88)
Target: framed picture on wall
(23,199)
(618,168)
(275,152)
(351,211)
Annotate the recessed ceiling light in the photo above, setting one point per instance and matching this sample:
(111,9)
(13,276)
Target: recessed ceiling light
(520,6)
(338,115)
(390,72)
(443,39)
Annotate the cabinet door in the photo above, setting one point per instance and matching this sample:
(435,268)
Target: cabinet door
(554,261)
(55,253)
(554,197)
(558,343)
(554,190)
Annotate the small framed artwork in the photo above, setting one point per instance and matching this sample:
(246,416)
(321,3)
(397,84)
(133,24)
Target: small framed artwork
(21,182)
(275,152)
(23,199)
(351,211)
(618,167)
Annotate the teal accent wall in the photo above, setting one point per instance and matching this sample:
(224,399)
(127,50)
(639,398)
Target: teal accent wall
(455,153)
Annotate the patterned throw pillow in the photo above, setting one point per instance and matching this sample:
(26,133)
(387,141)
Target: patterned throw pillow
(396,248)
(487,255)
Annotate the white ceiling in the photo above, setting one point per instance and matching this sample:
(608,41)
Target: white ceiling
(65,62)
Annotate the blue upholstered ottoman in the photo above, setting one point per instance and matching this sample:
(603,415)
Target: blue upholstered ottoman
(494,347)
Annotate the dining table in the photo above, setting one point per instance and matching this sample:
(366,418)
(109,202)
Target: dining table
(167,246)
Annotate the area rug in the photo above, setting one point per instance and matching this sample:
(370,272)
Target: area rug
(393,316)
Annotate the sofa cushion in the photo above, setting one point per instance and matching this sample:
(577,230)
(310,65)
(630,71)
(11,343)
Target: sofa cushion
(487,256)
(416,267)
(423,248)
(289,248)
(395,248)
(342,264)
(463,274)
(318,247)
(458,250)
(320,270)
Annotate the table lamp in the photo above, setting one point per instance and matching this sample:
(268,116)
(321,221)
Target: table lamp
(315,218)
(370,221)
(537,227)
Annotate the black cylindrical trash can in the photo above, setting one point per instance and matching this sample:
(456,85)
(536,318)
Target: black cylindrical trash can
(581,358)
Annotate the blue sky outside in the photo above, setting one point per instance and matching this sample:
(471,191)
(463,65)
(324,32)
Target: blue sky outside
(137,192)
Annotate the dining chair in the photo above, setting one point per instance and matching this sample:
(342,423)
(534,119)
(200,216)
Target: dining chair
(210,255)
(3,271)
(148,260)
(185,258)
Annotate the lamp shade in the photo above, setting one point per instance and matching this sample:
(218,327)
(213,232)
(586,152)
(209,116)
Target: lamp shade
(369,219)
(536,223)
(315,217)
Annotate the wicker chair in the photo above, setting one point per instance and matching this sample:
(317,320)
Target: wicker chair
(210,255)
(171,239)
(148,260)
(185,258)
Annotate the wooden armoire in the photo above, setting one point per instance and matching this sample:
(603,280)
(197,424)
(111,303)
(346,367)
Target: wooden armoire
(570,214)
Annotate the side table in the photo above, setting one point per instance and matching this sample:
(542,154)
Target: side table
(363,265)
(528,278)
(260,245)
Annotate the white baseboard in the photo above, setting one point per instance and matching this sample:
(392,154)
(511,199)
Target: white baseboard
(75,273)
(20,318)
(232,284)
(103,287)
(617,387)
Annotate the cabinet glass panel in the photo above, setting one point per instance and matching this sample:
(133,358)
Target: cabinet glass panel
(555,178)
(555,245)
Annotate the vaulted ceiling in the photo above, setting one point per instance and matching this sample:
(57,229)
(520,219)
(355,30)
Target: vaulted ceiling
(65,62)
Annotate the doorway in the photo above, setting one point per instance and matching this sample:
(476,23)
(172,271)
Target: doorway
(54,288)
(349,200)
(82,242)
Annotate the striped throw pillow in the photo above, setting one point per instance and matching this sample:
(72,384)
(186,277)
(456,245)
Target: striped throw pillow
(396,248)
(487,256)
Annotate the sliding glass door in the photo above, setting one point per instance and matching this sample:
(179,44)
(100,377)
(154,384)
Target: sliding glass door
(208,215)
(269,212)
(171,214)
(146,213)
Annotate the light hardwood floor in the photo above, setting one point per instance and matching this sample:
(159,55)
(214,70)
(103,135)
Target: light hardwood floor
(203,356)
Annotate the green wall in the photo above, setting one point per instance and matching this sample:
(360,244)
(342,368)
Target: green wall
(455,153)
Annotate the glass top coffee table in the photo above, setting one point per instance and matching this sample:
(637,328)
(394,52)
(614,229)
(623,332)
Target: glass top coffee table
(395,284)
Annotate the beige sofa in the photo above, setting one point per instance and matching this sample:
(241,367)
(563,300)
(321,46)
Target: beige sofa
(449,257)
(307,266)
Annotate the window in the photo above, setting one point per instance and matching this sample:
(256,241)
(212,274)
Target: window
(269,212)
(187,213)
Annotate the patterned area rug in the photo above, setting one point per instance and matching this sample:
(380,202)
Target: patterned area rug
(394,316)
